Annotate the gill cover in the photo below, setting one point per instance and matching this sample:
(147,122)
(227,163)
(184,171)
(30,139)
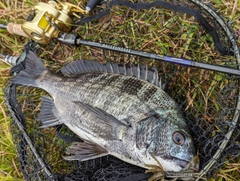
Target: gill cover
(152,135)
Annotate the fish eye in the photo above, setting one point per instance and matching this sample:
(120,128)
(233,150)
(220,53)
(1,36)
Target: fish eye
(178,138)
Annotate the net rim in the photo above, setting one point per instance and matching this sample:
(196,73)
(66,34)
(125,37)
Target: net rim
(237,108)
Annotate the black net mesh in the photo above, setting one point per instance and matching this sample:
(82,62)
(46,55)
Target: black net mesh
(209,99)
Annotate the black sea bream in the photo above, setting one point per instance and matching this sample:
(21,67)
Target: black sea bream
(117,110)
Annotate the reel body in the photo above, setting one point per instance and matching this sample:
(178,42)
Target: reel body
(48,19)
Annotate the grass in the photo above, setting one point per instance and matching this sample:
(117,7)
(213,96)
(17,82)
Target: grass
(144,32)
(9,162)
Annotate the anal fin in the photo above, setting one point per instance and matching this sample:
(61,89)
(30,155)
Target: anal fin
(47,113)
(84,151)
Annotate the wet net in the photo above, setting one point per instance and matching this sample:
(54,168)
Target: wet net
(209,99)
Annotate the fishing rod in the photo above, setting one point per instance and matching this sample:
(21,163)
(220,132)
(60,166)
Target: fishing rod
(174,60)
(44,24)
(71,39)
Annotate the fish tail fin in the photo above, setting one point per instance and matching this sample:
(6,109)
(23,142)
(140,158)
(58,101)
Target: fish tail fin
(33,69)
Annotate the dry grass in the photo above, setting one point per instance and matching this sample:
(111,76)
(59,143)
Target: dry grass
(17,11)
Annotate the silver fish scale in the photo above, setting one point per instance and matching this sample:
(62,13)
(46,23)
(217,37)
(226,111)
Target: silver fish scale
(78,116)
(126,98)
(91,126)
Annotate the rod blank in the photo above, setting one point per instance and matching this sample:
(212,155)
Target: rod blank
(173,60)
(3,26)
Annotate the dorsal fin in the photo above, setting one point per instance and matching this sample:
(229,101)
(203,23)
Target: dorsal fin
(149,74)
(136,71)
(129,70)
(122,69)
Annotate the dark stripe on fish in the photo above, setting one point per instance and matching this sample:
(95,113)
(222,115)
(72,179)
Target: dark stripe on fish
(110,79)
(131,85)
(147,94)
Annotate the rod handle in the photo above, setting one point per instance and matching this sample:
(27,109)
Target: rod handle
(16,29)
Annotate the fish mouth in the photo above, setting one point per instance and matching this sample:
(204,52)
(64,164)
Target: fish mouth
(181,163)
(187,164)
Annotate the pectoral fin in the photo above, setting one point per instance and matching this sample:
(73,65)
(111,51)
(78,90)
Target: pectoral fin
(105,125)
(85,151)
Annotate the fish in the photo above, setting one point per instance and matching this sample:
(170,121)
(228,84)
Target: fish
(116,109)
